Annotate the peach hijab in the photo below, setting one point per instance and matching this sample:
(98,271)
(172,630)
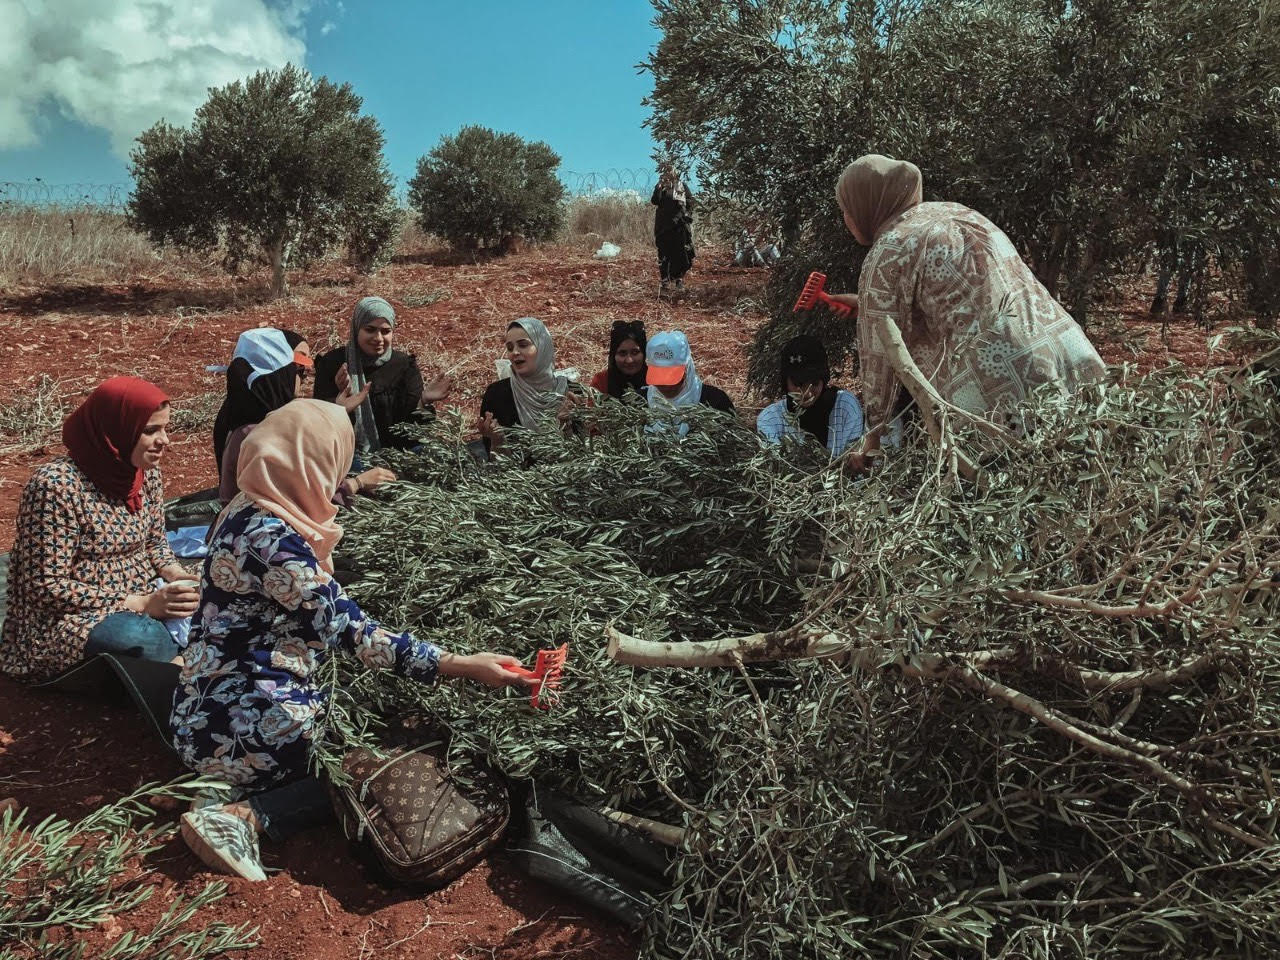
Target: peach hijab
(874,189)
(291,463)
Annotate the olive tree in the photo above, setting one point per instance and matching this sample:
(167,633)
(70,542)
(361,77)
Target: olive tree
(479,186)
(281,167)
(1093,133)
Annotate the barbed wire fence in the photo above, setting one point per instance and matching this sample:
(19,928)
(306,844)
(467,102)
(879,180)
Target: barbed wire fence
(112,197)
(639,180)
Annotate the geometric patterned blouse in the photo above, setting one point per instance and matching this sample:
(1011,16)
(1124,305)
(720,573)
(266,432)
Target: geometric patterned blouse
(77,555)
(979,325)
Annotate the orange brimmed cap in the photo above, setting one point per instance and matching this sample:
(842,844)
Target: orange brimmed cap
(667,356)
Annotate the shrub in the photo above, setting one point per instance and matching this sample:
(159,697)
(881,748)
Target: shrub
(281,167)
(479,186)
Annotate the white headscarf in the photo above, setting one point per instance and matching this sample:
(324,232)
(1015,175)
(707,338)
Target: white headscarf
(690,392)
(265,350)
(538,394)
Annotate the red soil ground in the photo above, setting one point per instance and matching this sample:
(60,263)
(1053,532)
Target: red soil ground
(64,756)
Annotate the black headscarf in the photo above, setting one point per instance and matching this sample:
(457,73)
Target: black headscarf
(246,404)
(622,331)
(804,360)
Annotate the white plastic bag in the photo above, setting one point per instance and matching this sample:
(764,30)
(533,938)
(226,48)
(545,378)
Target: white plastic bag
(607,251)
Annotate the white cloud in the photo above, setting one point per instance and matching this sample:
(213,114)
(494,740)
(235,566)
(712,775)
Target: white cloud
(328,28)
(121,65)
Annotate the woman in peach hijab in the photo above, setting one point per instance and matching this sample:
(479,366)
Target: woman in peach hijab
(946,282)
(250,706)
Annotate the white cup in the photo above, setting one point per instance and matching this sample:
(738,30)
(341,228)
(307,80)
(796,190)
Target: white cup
(189,584)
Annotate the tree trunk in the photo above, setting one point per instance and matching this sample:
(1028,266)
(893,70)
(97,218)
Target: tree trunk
(1048,265)
(278,252)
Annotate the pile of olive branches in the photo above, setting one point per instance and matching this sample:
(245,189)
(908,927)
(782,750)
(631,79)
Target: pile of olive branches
(59,878)
(1034,713)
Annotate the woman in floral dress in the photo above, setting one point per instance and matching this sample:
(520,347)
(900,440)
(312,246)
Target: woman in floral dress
(90,542)
(249,706)
(949,284)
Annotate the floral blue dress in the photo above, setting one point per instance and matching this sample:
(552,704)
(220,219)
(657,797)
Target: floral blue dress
(247,709)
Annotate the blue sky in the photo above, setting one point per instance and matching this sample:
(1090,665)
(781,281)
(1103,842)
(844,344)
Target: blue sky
(90,74)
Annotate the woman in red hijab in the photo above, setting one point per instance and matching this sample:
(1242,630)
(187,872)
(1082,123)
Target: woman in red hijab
(90,542)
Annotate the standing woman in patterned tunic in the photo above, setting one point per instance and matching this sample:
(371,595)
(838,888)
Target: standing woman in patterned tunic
(90,542)
(945,282)
(249,705)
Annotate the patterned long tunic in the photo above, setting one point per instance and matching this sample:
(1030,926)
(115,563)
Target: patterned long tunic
(247,709)
(77,555)
(980,326)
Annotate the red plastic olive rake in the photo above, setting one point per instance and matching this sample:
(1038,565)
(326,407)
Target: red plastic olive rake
(812,294)
(548,671)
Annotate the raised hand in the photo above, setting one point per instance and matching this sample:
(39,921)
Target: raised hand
(437,389)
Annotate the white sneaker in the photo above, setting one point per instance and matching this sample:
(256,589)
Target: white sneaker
(223,842)
(215,796)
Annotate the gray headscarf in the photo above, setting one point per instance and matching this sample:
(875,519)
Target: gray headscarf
(538,394)
(369,308)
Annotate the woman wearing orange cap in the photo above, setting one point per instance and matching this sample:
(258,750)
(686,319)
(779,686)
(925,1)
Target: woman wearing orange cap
(90,542)
(673,378)
(266,372)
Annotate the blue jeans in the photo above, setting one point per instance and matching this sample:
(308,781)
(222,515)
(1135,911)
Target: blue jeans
(297,806)
(132,635)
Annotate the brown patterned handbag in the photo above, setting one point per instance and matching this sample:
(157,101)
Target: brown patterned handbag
(424,823)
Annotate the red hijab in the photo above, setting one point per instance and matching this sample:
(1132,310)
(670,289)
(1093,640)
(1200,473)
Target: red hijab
(101,433)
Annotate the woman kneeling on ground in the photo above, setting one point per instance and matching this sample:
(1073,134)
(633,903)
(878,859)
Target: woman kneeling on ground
(810,405)
(266,372)
(534,395)
(943,287)
(673,379)
(394,382)
(626,369)
(248,708)
(90,542)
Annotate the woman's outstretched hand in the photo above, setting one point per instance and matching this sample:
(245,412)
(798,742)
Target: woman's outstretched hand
(491,669)
(437,389)
(491,430)
(351,401)
(848,299)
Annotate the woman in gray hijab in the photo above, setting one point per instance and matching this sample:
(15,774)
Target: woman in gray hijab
(533,396)
(395,383)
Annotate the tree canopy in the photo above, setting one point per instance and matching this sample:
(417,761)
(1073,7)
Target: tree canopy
(1095,134)
(281,167)
(478,186)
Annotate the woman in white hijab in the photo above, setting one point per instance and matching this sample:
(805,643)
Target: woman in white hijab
(533,396)
(673,379)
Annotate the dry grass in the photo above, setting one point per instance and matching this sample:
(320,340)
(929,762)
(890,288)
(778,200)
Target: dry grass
(195,414)
(424,296)
(46,245)
(33,417)
(621,218)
